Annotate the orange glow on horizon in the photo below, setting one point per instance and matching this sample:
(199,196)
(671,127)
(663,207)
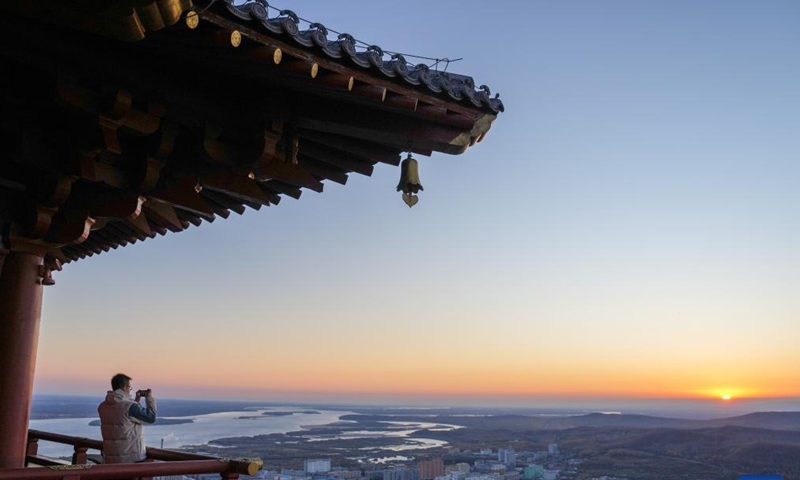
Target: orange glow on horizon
(440,381)
(638,372)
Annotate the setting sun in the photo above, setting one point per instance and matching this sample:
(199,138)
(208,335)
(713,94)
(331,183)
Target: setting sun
(726,397)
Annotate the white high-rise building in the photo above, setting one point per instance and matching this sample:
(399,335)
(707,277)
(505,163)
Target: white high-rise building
(507,456)
(317,465)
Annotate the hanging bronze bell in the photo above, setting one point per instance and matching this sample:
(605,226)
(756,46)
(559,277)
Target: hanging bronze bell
(409,181)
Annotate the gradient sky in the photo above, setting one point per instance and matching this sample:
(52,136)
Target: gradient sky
(630,227)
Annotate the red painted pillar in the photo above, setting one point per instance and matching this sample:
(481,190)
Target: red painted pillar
(20,312)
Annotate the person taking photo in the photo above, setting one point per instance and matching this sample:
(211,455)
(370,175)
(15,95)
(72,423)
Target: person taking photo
(121,419)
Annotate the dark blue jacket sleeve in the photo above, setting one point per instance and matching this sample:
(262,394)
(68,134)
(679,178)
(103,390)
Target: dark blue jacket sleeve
(147,415)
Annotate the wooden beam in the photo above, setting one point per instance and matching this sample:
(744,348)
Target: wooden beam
(287,172)
(365,150)
(336,157)
(109,238)
(72,252)
(140,224)
(370,92)
(225,201)
(219,210)
(372,125)
(125,230)
(443,115)
(280,187)
(335,80)
(163,213)
(184,193)
(401,102)
(299,66)
(95,246)
(227,38)
(241,187)
(262,54)
(324,170)
(190,217)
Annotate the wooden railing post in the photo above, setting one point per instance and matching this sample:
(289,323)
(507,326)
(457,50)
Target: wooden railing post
(79,455)
(33,447)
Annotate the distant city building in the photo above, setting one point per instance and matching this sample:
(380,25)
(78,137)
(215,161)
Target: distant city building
(498,469)
(430,469)
(317,465)
(401,473)
(461,467)
(482,476)
(486,451)
(453,476)
(507,456)
(346,474)
(552,449)
(481,466)
(512,475)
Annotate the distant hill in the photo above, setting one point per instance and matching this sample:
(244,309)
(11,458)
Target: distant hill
(767,420)
(710,453)
(770,420)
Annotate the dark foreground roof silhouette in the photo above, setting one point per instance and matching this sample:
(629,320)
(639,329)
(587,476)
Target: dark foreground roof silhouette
(134,119)
(123,120)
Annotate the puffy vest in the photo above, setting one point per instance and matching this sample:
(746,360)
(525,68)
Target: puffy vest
(123,438)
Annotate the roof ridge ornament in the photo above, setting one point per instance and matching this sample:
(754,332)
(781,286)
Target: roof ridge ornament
(291,15)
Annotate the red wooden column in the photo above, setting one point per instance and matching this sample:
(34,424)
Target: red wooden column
(20,312)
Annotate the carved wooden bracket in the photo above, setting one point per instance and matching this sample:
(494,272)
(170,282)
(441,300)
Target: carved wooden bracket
(121,113)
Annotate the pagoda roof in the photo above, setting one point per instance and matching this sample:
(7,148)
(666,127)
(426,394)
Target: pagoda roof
(128,119)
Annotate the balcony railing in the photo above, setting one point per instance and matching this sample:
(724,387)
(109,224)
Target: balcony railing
(159,463)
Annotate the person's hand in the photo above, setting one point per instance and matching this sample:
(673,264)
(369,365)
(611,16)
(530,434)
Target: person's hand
(138,395)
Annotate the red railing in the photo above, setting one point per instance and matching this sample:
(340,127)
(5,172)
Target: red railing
(159,463)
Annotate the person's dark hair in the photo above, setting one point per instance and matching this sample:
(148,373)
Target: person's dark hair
(119,380)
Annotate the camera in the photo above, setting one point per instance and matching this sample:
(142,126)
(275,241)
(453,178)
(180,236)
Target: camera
(143,393)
